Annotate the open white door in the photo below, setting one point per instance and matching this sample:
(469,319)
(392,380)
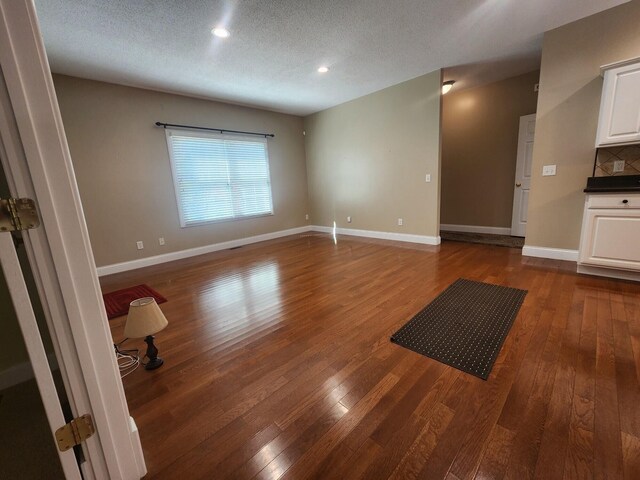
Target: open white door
(37,165)
(17,288)
(524,164)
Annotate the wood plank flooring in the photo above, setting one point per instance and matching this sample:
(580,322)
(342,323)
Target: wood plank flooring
(278,365)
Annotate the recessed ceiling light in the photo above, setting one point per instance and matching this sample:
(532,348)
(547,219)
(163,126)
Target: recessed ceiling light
(448,85)
(323,69)
(220,32)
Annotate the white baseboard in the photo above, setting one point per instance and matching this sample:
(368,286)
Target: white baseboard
(22,372)
(192,252)
(476,229)
(609,272)
(137,448)
(553,253)
(400,237)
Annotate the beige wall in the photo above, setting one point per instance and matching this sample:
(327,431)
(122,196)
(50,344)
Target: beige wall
(479,148)
(367,158)
(567,116)
(122,167)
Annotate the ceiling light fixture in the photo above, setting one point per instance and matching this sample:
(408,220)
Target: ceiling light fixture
(323,69)
(220,32)
(446,86)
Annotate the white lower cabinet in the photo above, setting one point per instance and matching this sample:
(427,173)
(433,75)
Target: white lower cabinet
(611,232)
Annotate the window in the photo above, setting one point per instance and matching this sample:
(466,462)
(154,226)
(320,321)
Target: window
(219,177)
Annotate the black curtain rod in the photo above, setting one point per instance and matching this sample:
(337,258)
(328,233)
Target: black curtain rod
(221,130)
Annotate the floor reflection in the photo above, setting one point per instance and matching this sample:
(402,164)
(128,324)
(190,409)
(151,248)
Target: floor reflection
(247,292)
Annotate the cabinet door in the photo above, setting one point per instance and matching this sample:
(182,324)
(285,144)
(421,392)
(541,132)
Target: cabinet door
(611,238)
(619,120)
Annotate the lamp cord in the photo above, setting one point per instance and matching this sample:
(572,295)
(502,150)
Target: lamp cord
(128,360)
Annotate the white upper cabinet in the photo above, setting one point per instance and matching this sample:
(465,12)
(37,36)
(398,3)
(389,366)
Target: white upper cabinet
(619,121)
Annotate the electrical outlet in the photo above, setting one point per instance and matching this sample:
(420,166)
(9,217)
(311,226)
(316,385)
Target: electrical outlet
(427,178)
(140,245)
(618,166)
(306,217)
(400,222)
(161,240)
(349,219)
(548,170)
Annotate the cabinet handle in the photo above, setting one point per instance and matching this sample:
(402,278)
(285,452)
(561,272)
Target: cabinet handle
(518,184)
(625,201)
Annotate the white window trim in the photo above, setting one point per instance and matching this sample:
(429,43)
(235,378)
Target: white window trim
(174,174)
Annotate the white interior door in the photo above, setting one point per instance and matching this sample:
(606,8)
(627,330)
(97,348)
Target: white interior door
(522,186)
(37,358)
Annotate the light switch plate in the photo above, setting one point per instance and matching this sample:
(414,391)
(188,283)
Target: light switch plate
(548,170)
(427,177)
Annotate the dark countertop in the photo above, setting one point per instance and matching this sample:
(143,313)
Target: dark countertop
(612,190)
(618,184)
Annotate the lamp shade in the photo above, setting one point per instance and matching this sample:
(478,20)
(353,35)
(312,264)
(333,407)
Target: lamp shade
(145,318)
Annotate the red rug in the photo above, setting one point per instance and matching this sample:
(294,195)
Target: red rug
(117,303)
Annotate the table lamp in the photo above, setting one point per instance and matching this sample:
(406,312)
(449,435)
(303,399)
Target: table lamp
(144,320)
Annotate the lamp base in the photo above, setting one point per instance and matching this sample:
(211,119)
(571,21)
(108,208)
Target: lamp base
(153,364)
(152,354)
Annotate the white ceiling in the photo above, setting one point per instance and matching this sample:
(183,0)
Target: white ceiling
(275,47)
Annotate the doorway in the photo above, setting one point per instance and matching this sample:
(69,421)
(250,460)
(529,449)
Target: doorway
(480,131)
(33,398)
(27,446)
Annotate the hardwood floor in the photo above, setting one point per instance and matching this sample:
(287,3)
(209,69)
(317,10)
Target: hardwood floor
(278,365)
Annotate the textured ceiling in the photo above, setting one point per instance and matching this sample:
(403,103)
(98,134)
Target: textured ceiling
(275,47)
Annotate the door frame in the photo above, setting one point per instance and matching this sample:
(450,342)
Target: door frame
(38,165)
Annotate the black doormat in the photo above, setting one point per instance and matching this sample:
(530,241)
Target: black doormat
(464,326)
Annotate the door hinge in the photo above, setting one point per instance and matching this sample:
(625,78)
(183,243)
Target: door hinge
(75,432)
(18,214)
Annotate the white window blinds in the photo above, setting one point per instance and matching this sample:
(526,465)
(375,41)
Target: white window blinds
(219,177)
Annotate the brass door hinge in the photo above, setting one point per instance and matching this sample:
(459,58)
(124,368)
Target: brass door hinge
(18,214)
(75,432)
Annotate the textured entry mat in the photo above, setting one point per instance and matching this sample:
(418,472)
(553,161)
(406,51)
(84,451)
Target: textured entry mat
(464,326)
